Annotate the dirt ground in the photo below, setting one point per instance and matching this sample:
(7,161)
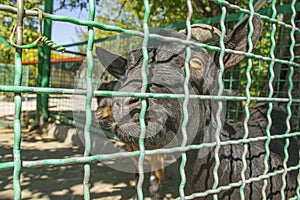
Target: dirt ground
(65,182)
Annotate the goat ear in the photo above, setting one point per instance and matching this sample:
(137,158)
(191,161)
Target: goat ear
(237,40)
(114,64)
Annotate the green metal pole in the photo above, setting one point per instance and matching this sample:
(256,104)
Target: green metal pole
(44,67)
(18,105)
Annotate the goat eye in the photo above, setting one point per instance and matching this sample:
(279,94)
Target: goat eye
(196,63)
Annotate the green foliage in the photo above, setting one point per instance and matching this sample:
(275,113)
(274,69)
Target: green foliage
(8,22)
(71,4)
(129,14)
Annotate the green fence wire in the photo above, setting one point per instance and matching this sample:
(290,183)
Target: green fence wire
(87,159)
(270,105)
(185,101)
(87,131)
(220,105)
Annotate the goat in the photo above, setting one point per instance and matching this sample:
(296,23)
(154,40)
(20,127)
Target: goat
(165,73)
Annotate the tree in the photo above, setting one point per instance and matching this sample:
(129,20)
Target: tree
(8,22)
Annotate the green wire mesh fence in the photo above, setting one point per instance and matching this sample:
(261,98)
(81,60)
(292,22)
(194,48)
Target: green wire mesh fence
(273,72)
(64,78)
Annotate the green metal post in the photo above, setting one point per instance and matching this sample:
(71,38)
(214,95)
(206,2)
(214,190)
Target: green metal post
(44,68)
(18,105)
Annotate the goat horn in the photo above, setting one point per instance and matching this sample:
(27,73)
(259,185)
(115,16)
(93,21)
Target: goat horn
(203,32)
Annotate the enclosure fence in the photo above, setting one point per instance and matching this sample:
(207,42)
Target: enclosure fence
(291,98)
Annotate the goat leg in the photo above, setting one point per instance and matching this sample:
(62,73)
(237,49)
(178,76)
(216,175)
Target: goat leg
(157,174)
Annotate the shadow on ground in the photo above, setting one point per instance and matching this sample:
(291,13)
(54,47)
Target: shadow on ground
(65,182)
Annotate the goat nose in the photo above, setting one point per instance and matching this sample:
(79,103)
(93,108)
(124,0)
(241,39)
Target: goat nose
(126,103)
(126,107)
